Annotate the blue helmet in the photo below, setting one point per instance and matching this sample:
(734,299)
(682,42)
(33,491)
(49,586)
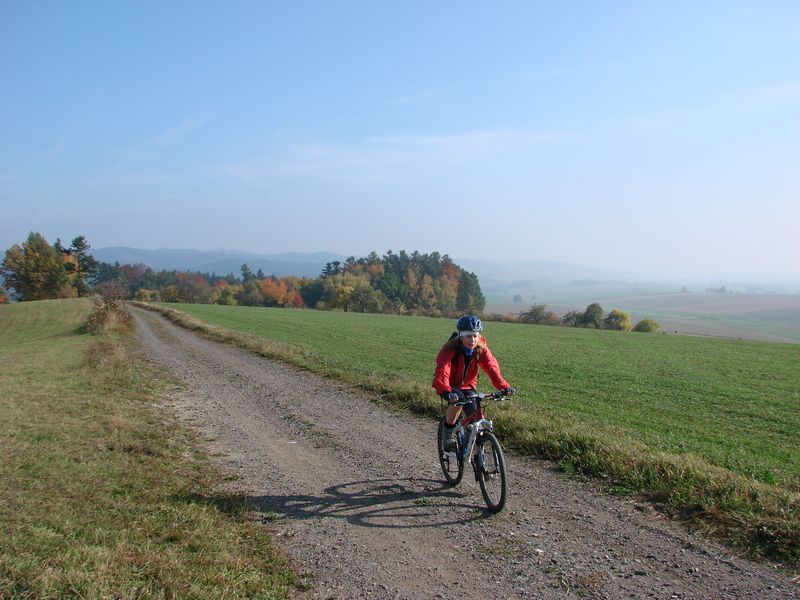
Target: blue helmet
(469,323)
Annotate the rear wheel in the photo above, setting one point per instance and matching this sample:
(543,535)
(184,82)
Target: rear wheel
(492,472)
(452,463)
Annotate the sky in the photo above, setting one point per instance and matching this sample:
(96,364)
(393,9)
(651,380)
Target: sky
(659,137)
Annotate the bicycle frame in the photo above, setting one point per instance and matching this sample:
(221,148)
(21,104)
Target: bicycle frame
(474,425)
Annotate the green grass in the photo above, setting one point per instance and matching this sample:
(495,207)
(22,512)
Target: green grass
(709,426)
(102,493)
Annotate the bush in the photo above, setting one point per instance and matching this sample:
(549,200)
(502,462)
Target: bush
(647,326)
(109,316)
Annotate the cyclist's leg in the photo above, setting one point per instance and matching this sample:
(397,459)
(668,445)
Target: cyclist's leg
(452,414)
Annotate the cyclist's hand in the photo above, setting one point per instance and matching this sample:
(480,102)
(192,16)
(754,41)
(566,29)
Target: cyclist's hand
(509,391)
(450,397)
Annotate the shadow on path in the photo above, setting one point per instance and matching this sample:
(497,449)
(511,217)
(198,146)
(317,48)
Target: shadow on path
(376,503)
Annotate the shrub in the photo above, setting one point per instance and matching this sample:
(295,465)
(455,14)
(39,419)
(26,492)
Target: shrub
(647,326)
(109,316)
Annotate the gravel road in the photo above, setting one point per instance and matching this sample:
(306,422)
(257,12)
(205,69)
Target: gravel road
(354,493)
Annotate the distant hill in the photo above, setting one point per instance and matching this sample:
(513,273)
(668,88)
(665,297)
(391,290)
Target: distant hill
(496,275)
(493,275)
(220,262)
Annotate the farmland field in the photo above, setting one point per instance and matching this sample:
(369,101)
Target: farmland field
(765,317)
(732,403)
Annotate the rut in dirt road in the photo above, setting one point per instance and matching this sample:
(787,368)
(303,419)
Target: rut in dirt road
(355,494)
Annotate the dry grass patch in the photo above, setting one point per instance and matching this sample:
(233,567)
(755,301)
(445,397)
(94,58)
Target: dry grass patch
(102,493)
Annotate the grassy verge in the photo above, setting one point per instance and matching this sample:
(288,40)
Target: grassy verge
(707,427)
(102,493)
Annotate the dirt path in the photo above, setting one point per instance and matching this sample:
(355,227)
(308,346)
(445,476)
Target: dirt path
(355,494)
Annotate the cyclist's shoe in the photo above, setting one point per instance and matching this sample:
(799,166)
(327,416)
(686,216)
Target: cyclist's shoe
(449,439)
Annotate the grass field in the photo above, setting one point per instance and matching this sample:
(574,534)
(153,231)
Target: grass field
(102,494)
(673,415)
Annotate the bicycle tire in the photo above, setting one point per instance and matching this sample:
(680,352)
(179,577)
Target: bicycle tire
(492,476)
(451,462)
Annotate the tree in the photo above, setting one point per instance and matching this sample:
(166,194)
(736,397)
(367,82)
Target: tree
(534,315)
(247,274)
(617,320)
(312,292)
(274,292)
(470,298)
(365,298)
(85,265)
(250,294)
(593,316)
(332,268)
(35,270)
(572,318)
(192,288)
(227,297)
(647,326)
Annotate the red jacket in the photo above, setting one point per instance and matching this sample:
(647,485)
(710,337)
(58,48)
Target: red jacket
(450,374)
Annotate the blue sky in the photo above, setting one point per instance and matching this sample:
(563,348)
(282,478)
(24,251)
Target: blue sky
(659,137)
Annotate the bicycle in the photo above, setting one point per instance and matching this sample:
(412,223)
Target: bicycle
(477,445)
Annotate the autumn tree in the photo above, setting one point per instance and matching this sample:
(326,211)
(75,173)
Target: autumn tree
(274,292)
(35,270)
(192,288)
(617,320)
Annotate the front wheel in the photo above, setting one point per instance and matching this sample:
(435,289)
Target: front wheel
(452,462)
(492,471)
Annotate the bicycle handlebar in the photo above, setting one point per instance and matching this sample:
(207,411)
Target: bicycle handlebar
(493,396)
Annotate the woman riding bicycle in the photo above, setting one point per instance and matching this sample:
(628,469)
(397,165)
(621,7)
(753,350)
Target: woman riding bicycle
(457,372)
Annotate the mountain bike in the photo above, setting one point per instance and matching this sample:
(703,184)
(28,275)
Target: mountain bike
(477,445)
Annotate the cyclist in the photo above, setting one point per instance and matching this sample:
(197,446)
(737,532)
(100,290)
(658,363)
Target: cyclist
(457,372)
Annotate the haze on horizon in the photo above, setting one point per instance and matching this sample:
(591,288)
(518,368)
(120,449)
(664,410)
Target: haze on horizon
(649,138)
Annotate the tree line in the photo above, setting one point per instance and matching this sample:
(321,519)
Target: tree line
(425,284)
(402,283)
(594,317)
